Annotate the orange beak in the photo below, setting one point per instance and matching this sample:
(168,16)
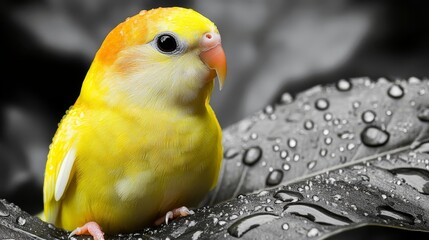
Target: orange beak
(213,55)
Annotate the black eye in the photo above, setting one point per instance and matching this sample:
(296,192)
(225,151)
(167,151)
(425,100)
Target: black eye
(167,43)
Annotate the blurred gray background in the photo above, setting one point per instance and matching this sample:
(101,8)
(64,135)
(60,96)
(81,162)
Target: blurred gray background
(271,46)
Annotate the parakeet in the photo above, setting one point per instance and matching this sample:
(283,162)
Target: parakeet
(141,141)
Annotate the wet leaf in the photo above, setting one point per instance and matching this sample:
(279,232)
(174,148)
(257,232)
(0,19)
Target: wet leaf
(322,128)
(337,160)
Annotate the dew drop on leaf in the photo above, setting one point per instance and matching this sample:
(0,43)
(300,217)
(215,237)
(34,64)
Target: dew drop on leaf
(231,153)
(423,115)
(3,210)
(269,109)
(356,104)
(308,124)
(311,164)
(292,142)
(328,141)
(196,235)
(351,146)
(316,213)
(285,226)
(288,196)
(274,177)
(313,232)
(395,91)
(388,213)
(343,85)
(374,137)
(296,157)
(286,167)
(368,116)
(323,152)
(415,177)
(21,221)
(252,155)
(328,116)
(286,98)
(283,154)
(241,226)
(322,104)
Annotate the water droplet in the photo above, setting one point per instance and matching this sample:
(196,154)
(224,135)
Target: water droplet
(276,148)
(395,91)
(196,235)
(3,210)
(389,113)
(374,137)
(285,226)
(51,226)
(388,213)
(311,164)
(384,196)
(328,116)
(313,232)
(274,178)
(240,227)
(325,132)
(415,177)
(292,142)
(323,152)
(316,214)
(328,140)
(351,146)
(423,115)
(322,104)
(343,85)
(368,116)
(315,198)
(253,136)
(21,221)
(231,153)
(356,104)
(288,196)
(286,98)
(414,80)
(283,154)
(346,135)
(263,193)
(296,157)
(308,124)
(269,109)
(252,155)
(337,197)
(286,167)
(364,177)
(221,223)
(269,209)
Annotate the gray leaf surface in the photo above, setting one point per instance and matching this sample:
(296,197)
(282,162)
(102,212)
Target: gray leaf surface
(335,159)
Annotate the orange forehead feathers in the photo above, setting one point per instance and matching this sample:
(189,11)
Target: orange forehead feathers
(144,26)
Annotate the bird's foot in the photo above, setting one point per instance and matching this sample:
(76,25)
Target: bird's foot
(173,214)
(91,228)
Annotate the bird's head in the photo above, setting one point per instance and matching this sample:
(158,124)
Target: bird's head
(161,56)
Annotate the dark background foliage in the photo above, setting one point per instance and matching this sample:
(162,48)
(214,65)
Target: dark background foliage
(271,48)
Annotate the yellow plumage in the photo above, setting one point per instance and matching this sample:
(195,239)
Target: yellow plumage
(141,138)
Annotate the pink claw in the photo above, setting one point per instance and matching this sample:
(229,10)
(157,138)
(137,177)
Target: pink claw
(173,214)
(92,228)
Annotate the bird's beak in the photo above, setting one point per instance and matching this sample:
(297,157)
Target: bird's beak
(213,56)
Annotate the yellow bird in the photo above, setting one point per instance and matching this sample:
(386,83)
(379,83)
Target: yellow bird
(141,141)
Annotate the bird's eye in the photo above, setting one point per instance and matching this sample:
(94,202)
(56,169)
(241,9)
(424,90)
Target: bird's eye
(168,43)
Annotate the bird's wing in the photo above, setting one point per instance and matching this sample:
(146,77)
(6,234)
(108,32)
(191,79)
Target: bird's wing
(59,167)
